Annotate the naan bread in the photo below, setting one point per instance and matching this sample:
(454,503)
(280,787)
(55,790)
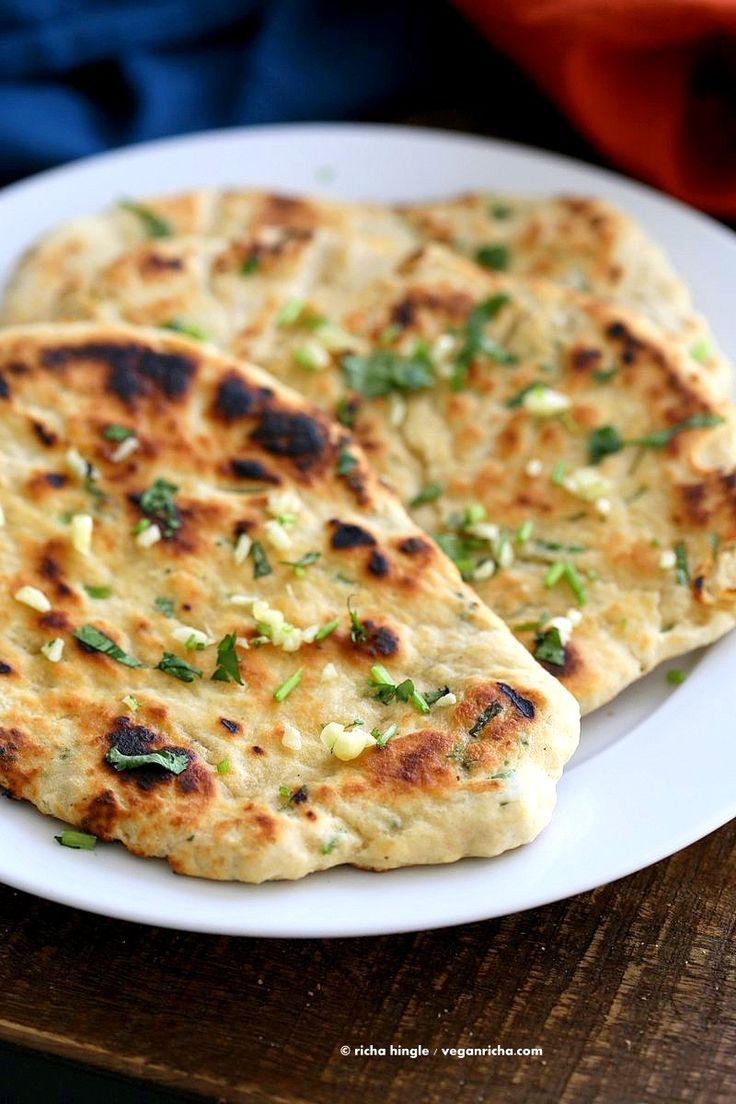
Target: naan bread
(152,491)
(129,254)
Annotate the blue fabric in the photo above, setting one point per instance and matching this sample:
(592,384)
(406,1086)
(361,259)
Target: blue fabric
(81,76)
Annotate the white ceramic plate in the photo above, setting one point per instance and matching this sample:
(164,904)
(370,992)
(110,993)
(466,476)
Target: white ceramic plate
(655,771)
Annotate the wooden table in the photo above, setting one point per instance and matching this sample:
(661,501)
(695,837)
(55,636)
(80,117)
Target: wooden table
(630,991)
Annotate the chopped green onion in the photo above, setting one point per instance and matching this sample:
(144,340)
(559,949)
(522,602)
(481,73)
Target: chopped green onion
(289,313)
(524,532)
(156,226)
(224,766)
(261,566)
(98,591)
(557,475)
(676,677)
(382,738)
(299,566)
(282,692)
(186,329)
(327,629)
(80,841)
(682,572)
(430,493)
(494,257)
(701,351)
(358,631)
(117,433)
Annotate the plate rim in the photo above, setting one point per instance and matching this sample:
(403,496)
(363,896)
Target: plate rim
(132,911)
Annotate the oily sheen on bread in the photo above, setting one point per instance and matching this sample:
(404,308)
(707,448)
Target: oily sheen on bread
(183,258)
(224,640)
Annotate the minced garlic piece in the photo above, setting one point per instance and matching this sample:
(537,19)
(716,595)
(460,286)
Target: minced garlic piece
(53,649)
(77,463)
(667,560)
(292,737)
(544,402)
(125,449)
(194,638)
(242,547)
(587,483)
(2,516)
(329,673)
(345,744)
(277,536)
(533,468)
(284,504)
(81,533)
(445,701)
(563,625)
(33,597)
(148,536)
(485,570)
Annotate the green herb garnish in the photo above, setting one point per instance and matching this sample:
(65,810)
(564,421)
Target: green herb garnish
(156,226)
(517,400)
(261,566)
(99,642)
(430,493)
(227,661)
(384,371)
(250,265)
(432,696)
(358,631)
(701,351)
(675,677)
(404,691)
(494,257)
(165,606)
(98,591)
(327,629)
(345,462)
(80,841)
(329,845)
(557,475)
(604,441)
(289,313)
(476,342)
(484,717)
(549,647)
(186,329)
(173,761)
(299,566)
(605,375)
(682,572)
(282,692)
(158,503)
(561,570)
(178,668)
(224,766)
(382,738)
(660,438)
(117,433)
(346,411)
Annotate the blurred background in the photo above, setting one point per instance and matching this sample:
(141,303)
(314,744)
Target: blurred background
(646,85)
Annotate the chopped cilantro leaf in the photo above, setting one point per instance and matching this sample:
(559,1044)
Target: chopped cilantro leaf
(494,257)
(117,433)
(173,761)
(261,566)
(98,591)
(476,342)
(346,412)
(164,606)
(430,493)
(549,647)
(158,503)
(299,566)
(92,638)
(251,264)
(345,462)
(384,371)
(484,717)
(358,631)
(676,677)
(604,441)
(227,661)
(178,668)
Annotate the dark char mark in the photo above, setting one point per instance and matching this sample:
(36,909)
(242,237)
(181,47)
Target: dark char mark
(4,388)
(412,545)
(525,707)
(231,726)
(5,668)
(291,434)
(56,479)
(133,370)
(378,565)
(253,469)
(45,436)
(345,535)
(235,399)
(379,640)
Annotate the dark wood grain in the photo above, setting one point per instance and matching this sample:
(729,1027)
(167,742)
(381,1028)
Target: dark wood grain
(630,990)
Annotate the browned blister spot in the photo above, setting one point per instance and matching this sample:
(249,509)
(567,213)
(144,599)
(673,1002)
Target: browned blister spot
(101,815)
(417,761)
(291,211)
(415,546)
(346,536)
(378,564)
(584,358)
(376,641)
(235,398)
(55,619)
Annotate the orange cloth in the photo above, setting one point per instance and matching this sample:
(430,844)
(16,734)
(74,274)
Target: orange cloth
(652,83)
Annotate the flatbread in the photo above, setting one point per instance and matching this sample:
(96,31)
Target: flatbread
(645,534)
(127,255)
(126,552)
